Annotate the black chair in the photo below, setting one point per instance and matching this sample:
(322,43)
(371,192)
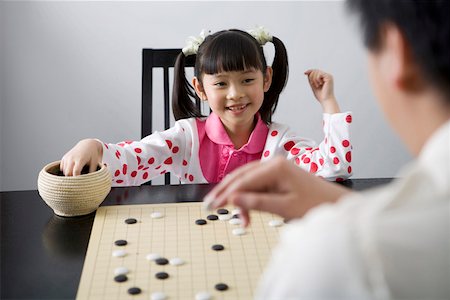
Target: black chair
(157,58)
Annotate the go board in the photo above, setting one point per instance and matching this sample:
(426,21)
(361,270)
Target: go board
(170,231)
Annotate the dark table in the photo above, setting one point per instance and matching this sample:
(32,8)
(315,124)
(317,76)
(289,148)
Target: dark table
(42,255)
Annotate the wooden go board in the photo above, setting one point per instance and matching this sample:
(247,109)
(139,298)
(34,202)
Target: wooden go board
(174,234)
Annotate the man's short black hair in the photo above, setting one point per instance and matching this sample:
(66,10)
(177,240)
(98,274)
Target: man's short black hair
(425,25)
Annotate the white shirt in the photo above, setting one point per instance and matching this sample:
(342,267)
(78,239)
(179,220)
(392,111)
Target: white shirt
(391,242)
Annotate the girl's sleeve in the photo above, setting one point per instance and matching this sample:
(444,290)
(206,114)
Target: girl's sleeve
(132,163)
(331,159)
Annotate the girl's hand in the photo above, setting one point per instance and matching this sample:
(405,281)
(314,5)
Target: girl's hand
(86,152)
(322,86)
(276,186)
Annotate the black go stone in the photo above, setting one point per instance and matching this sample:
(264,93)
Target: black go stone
(121,278)
(200,222)
(162,275)
(161,261)
(212,217)
(120,243)
(236,216)
(131,221)
(134,291)
(222,211)
(217,247)
(221,287)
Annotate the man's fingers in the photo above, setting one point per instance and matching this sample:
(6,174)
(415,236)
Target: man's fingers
(211,200)
(268,202)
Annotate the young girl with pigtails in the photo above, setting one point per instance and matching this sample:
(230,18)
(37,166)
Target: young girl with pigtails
(242,92)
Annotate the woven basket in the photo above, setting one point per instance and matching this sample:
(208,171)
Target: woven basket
(71,196)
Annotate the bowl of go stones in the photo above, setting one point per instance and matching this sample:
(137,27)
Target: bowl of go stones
(71,196)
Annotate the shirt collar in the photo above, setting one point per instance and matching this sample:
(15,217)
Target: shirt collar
(217,133)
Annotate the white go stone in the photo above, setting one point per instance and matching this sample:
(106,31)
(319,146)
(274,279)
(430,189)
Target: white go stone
(225,217)
(203,296)
(235,221)
(275,223)
(119,253)
(239,231)
(152,256)
(176,261)
(121,271)
(156,215)
(158,296)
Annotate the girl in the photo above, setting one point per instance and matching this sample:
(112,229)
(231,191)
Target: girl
(231,74)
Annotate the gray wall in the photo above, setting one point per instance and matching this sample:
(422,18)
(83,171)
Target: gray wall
(71,70)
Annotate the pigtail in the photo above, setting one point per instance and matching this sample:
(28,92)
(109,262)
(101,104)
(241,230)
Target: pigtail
(279,79)
(183,93)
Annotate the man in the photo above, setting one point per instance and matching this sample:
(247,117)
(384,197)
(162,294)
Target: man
(387,243)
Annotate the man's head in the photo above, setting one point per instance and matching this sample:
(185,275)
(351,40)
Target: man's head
(425,26)
(409,63)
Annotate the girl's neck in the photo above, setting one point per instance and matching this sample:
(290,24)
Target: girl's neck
(239,135)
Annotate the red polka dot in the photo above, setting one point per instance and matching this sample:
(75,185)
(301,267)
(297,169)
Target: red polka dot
(313,168)
(121,144)
(339,179)
(163,172)
(169,143)
(348,118)
(297,160)
(175,149)
(137,150)
(184,162)
(106,145)
(332,149)
(308,148)
(117,173)
(295,151)
(348,156)
(185,175)
(133,174)
(274,133)
(145,175)
(146,168)
(138,160)
(266,153)
(303,156)
(335,160)
(191,178)
(119,181)
(158,167)
(345,143)
(124,169)
(140,167)
(321,161)
(307,160)
(128,142)
(349,169)
(151,160)
(289,145)
(117,154)
(168,161)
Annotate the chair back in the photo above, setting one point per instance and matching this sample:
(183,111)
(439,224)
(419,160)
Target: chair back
(157,58)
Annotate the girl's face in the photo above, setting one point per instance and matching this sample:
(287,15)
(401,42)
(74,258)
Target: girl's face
(235,96)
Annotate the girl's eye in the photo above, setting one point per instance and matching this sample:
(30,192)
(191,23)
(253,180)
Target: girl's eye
(221,83)
(248,80)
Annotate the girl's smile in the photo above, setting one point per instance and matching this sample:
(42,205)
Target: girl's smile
(235,97)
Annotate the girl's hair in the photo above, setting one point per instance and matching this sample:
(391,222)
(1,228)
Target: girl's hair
(224,51)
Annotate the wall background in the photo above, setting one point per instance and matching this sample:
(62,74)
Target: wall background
(71,70)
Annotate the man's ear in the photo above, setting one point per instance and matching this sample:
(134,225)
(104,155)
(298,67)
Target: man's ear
(199,90)
(268,79)
(402,69)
